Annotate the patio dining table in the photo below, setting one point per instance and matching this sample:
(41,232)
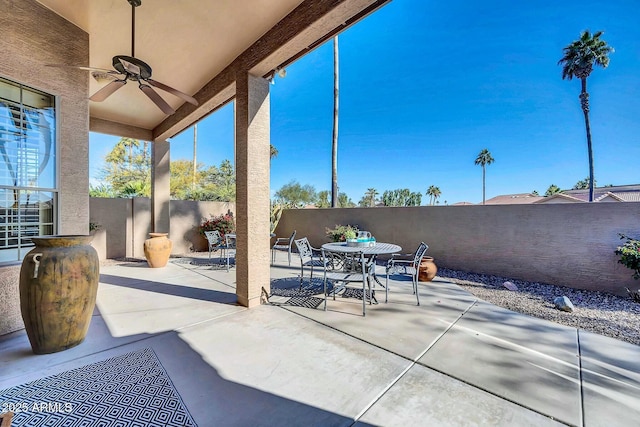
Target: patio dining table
(380,248)
(371,252)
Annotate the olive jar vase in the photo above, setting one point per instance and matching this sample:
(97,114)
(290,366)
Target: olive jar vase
(58,288)
(157,249)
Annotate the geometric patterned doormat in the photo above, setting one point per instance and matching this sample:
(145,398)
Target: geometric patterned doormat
(131,390)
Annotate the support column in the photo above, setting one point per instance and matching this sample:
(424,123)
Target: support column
(252,189)
(160,186)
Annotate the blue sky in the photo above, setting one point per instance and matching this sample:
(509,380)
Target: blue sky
(425,86)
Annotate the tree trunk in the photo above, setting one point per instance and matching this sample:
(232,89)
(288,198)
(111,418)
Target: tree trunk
(584,103)
(483,183)
(334,144)
(195,147)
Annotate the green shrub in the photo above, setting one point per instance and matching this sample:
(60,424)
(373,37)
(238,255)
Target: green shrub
(630,255)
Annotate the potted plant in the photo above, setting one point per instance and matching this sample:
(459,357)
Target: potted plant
(629,254)
(342,233)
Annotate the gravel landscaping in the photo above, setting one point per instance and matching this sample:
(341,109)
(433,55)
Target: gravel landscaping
(599,312)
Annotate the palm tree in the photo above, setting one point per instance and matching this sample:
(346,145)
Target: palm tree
(434,193)
(579,58)
(430,193)
(484,159)
(195,150)
(370,197)
(334,144)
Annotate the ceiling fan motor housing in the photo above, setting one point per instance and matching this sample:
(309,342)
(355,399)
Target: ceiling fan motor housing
(145,69)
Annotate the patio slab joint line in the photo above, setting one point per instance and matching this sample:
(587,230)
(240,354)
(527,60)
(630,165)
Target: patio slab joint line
(413,363)
(242,309)
(580,376)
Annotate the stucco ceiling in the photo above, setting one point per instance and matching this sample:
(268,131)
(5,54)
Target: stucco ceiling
(186,43)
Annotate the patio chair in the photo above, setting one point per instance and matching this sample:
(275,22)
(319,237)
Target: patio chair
(215,241)
(282,244)
(407,266)
(229,247)
(309,257)
(358,270)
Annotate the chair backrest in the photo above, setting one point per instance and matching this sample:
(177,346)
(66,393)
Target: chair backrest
(304,248)
(422,249)
(213,237)
(293,236)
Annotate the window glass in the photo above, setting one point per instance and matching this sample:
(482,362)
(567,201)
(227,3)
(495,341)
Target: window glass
(27,168)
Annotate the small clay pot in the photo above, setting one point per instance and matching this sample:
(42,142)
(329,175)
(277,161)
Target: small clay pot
(428,269)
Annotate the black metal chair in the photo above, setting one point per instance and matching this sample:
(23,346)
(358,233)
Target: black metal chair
(407,266)
(214,239)
(282,244)
(309,257)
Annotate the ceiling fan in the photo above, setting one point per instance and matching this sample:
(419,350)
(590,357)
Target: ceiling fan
(130,68)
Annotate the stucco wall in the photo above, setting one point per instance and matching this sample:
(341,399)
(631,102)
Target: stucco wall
(11,319)
(33,36)
(127,222)
(186,215)
(114,216)
(564,244)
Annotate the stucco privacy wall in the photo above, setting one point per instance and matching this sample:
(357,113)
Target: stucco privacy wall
(127,222)
(571,245)
(33,36)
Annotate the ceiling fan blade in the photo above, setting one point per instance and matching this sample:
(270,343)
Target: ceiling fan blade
(157,99)
(80,67)
(131,68)
(173,91)
(106,91)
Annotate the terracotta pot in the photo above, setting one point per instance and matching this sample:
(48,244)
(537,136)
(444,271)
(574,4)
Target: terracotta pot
(157,249)
(58,287)
(428,269)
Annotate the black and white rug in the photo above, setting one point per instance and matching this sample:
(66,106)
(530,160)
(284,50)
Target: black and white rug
(130,390)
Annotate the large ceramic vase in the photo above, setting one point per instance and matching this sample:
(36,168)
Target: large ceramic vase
(157,249)
(58,287)
(428,269)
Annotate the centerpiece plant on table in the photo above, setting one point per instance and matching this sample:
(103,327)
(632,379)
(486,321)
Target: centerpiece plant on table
(342,233)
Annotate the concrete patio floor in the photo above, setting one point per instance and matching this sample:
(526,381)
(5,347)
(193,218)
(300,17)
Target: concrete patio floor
(452,361)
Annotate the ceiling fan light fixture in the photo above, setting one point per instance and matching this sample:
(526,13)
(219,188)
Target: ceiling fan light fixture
(102,77)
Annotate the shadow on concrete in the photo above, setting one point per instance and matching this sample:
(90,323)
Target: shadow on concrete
(211,399)
(214,400)
(175,290)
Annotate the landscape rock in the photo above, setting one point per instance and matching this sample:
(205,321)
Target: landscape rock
(563,303)
(510,286)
